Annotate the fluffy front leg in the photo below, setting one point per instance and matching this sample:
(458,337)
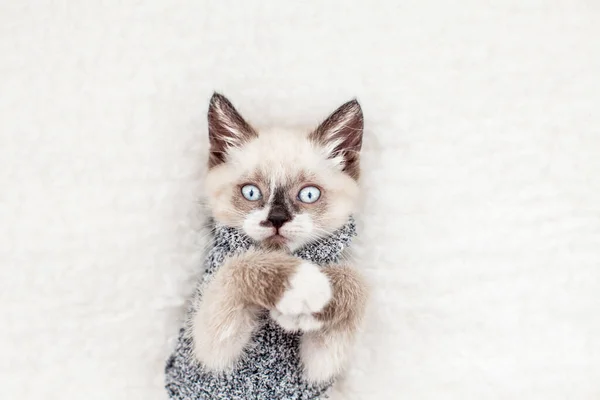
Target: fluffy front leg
(324,353)
(226,316)
(222,326)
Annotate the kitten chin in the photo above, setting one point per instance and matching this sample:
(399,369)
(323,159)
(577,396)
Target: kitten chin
(283,188)
(276,243)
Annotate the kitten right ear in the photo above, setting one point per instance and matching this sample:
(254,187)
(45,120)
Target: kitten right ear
(341,136)
(226,129)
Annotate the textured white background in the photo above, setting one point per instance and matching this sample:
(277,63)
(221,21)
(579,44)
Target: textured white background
(481,228)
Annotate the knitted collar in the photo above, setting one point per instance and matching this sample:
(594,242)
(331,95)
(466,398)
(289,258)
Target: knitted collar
(326,250)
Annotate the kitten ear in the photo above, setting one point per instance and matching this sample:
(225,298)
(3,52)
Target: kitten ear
(341,136)
(226,129)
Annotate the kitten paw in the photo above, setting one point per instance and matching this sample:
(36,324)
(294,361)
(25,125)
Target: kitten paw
(309,293)
(295,323)
(324,355)
(219,340)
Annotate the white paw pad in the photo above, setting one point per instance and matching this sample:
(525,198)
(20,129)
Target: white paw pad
(295,323)
(309,293)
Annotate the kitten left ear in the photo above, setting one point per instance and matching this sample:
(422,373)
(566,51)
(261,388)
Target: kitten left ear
(226,129)
(341,136)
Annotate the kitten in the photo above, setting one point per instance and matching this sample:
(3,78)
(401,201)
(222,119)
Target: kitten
(283,189)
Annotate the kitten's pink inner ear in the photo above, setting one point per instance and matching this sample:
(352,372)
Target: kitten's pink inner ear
(226,129)
(341,136)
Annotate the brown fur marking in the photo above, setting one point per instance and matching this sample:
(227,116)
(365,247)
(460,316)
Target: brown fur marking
(259,277)
(240,203)
(346,309)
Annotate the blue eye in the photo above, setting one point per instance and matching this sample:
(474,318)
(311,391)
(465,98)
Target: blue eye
(251,192)
(309,194)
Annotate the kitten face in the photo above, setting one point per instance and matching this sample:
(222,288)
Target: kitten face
(283,188)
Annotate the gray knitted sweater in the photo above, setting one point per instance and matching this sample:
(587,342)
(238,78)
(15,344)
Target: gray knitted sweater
(270,368)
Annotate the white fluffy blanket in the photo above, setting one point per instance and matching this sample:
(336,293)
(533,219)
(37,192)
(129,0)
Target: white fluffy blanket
(481,222)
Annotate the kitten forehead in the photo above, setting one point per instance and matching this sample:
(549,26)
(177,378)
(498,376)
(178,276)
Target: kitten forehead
(281,155)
